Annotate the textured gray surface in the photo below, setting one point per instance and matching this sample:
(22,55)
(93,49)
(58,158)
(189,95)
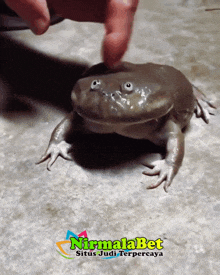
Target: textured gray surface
(38,207)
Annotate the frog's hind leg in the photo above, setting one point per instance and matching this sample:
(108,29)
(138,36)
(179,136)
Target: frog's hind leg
(203,107)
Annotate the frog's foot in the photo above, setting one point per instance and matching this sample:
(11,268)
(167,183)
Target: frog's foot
(54,150)
(165,171)
(204,107)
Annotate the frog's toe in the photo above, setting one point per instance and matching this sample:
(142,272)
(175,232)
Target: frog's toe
(54,155)
(152,186)
(66,156)
(151,160)
(203,111)
(168,182)
(161,178)
(166,185)
(46,155)
(53,158)
(54,151)
(204,107)
(198,111)
(156,168)
(166,174)
(43,158)
(152,172)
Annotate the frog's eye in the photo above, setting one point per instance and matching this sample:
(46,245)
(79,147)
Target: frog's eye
(128,87)
(95,84)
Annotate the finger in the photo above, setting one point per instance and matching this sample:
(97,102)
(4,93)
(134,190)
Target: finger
(34,12)
(118,24)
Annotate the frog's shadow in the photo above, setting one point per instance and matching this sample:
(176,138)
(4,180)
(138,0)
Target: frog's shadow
(98,151)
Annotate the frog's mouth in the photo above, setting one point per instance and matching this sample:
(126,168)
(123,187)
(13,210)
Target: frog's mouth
(104,107)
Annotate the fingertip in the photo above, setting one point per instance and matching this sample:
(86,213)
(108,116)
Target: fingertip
(39,26)
(114,47)
(118,25)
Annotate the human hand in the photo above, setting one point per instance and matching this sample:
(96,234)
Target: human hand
(117,15)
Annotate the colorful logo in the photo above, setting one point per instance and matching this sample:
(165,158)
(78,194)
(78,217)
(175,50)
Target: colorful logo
(61,251)
(107,249)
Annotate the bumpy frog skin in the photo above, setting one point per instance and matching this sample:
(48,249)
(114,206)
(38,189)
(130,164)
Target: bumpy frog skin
(140,101)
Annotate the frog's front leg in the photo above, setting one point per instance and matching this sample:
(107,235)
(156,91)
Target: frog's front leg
(58,144)
(168,167)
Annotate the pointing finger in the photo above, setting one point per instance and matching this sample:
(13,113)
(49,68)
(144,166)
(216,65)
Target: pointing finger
(118,24)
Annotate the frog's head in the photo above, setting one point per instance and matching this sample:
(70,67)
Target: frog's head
(118,97)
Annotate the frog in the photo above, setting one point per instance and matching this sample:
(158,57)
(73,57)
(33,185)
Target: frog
(146,101)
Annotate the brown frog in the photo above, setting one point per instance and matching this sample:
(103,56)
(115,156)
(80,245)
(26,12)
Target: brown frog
(139,101)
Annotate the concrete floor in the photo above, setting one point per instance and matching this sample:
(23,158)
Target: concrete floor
(99,192)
